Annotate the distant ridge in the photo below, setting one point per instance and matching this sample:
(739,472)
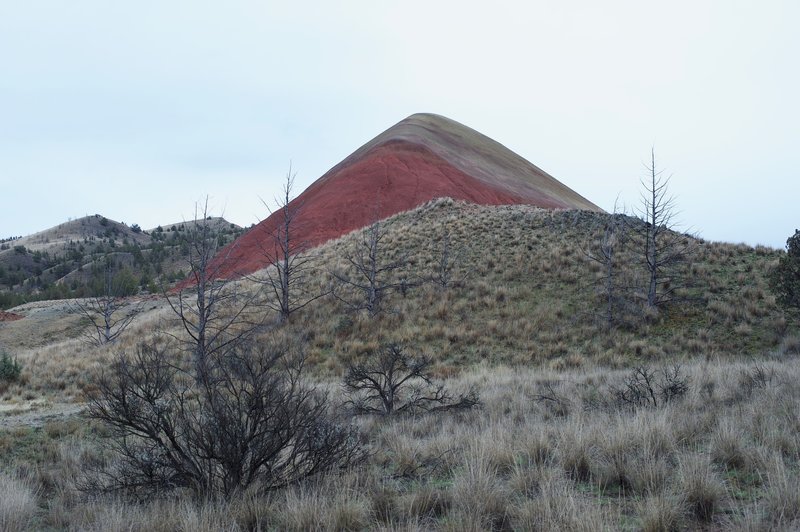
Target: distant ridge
(423,157)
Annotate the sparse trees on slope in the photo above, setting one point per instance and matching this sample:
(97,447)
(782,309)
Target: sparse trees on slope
(784,280)
(291,266)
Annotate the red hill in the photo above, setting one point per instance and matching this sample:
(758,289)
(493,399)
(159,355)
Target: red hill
(421,158)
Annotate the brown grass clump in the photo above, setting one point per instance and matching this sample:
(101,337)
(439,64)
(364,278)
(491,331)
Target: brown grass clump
(782,498)
(559,507)
(703,491)
(18,500)
(662,513)
(479,495)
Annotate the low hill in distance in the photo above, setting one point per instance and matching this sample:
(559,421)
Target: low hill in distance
(421,158)
(67,260)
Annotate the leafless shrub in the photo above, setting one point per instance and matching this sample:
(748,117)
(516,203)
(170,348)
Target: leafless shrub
(248,420)
(393,382)
(673,384)
(644,387)
(554,402)
(758,377)
(614,283)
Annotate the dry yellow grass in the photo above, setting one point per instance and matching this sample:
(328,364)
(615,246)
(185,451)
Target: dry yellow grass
(520,462)
(528,296)
(522,325)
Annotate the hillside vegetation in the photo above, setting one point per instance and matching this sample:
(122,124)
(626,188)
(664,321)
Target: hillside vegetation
(563,439)
(69,260)
(524,293)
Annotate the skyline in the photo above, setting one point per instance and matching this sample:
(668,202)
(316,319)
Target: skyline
(137,112)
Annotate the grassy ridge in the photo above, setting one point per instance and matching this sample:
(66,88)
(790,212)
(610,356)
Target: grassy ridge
(530,295)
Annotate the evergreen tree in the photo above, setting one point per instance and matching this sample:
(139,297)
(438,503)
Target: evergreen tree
(785,279)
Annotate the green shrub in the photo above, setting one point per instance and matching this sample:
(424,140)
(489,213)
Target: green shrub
(785,278)
(9,368)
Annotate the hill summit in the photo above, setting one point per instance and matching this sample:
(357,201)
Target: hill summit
(421,158)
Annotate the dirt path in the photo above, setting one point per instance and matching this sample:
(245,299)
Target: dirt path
(36,413)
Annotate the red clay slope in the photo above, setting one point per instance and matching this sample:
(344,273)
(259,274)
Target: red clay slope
(423,157)
(9,316)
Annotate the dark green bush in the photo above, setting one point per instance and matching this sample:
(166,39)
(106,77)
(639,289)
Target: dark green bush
(9,368)
(785,278)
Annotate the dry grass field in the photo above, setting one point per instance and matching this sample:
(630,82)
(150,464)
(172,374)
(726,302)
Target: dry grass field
(553,446)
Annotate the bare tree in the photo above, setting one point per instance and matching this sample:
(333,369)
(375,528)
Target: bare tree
(291,266)
(109,313)
(613,284)
(251,422)
(392,382)
(211,309)
(448,260)
(664,248)
(373,275)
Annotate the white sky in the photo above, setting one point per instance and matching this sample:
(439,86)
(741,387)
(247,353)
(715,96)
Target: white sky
(136,110)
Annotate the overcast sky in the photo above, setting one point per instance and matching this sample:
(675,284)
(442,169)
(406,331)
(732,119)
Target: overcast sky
(136,110)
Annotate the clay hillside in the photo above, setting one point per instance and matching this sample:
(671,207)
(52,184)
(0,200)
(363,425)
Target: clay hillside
(421,158)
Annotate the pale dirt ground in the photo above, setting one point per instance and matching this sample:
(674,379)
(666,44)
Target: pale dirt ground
(36,413)
(44,324)
(47,322)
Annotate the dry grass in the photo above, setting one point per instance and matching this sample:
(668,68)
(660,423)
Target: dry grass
(517,463)
(529,295)
(17,503)
(548,450)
